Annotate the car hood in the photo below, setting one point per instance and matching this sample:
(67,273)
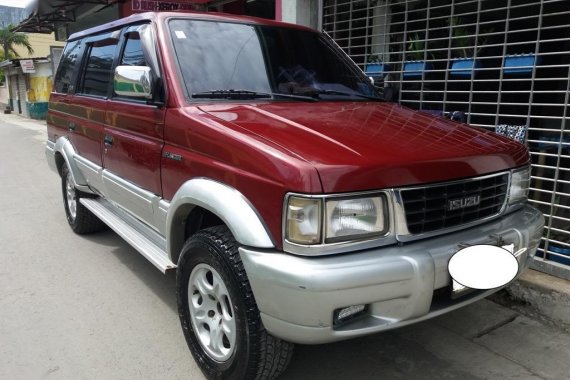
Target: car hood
(370,145)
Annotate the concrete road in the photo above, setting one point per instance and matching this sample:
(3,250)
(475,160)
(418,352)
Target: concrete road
(74,307)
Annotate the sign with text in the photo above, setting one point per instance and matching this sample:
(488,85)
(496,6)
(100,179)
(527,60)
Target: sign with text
(157,5)
(27,66)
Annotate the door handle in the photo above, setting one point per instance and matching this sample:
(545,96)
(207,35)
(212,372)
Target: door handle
(108,140)
(71,126)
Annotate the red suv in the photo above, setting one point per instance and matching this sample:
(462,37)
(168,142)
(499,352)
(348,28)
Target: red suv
(295,204)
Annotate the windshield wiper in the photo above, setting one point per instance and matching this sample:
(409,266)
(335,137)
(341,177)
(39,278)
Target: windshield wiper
(247,94)
(293,96)
(317,92)
(231,94)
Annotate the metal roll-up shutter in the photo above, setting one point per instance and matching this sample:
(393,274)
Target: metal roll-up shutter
(499,62)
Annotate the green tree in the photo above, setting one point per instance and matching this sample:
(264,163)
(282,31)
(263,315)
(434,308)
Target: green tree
(10,39)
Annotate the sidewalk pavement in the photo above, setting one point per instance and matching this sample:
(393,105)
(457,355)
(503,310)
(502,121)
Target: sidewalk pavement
(535,294)
(24,122)
(539,295)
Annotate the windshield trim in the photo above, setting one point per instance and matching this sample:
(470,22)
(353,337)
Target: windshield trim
(328,40)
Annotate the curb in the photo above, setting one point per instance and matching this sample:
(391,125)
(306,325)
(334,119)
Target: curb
(537,294)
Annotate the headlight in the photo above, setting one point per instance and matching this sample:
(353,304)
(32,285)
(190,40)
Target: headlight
(343,219)
(520,182)
(349,219)
(304,220)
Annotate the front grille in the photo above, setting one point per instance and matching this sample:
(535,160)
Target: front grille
(428,208)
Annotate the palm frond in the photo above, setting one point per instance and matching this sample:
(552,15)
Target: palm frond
(10,39)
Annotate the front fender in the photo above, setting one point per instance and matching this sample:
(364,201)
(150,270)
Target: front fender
(225,202)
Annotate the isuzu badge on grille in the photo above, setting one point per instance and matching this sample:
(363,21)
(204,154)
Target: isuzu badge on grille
(456,204)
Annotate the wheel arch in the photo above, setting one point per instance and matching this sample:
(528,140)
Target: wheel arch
(59,161)
(65,153)
(209,197)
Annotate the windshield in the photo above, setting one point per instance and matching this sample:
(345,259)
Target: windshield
(229,60)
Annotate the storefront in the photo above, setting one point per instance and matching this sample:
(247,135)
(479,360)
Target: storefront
(492,63)
(30,82)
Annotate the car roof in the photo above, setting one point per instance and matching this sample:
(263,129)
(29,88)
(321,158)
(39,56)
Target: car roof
(161,16)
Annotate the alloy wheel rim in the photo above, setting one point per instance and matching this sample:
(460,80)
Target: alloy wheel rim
(71,197)
(211,312)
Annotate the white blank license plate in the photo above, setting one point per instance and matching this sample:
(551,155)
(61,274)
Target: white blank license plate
(458,290)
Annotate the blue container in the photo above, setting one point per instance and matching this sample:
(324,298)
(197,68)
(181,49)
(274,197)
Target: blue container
(565,252)
(377,69)
(464,67)
(520,64)
(415,69)
(562,253)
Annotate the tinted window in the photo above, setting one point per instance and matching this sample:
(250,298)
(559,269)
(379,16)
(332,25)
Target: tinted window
(97,73)
(221,56)
(66,67)
(214,56)
(300,60)
(133,53)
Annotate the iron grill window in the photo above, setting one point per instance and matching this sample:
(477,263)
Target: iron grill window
(499,62)
(428,208)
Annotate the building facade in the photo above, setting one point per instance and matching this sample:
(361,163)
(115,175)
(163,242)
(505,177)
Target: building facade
(29,77)
(8,16)
(11,15)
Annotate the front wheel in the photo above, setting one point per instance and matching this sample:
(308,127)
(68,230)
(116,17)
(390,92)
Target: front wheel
(218,313)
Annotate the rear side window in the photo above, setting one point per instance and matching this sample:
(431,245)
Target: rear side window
(67,66)
(97,73)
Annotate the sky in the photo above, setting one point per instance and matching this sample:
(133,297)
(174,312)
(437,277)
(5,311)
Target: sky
(16,3)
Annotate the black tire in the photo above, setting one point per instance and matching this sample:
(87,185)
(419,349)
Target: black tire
(80,219)
(256,354)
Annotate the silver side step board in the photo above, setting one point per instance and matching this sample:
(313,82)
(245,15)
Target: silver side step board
(148,242)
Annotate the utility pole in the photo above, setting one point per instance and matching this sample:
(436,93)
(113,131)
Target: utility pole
(6,75)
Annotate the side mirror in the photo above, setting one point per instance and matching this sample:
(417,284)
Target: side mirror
(133,81)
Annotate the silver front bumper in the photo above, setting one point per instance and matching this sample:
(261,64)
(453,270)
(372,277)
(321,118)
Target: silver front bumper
(297,296)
